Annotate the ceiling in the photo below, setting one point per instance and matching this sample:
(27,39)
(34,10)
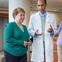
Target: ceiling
(54,5)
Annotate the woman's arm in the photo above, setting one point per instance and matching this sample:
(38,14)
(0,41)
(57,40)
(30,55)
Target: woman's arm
(8,36)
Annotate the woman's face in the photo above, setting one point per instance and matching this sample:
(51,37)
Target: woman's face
(20,17)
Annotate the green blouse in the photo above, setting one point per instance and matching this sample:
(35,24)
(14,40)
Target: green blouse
(14,39)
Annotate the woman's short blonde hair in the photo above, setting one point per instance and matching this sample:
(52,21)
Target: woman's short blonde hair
(16,11)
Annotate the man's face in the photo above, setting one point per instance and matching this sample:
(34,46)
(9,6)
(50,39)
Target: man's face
(41,6)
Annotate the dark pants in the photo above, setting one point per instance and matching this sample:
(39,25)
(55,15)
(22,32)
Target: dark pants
(11,58)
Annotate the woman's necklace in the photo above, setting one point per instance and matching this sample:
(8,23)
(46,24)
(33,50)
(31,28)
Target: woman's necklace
(20,26)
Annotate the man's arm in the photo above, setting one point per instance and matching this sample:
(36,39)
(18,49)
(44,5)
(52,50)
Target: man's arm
(53,28)
(31,27)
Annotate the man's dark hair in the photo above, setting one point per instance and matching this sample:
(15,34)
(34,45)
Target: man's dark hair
(44,1)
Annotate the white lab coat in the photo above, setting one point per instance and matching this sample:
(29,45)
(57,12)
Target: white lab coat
(37,46)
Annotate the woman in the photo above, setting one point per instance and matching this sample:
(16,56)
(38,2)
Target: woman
(17,38)
(59,43)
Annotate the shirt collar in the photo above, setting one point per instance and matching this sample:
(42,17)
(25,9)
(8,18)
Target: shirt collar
(42,14)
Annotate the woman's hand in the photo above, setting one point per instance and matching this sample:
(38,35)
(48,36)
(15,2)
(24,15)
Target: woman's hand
(29,43)
(25,43)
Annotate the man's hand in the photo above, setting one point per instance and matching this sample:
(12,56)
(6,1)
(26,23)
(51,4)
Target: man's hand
(50,29)
(37,33)
(25,43)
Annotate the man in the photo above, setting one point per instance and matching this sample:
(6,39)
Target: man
(41,26)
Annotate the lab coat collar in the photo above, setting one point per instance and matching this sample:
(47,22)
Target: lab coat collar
(42,14)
